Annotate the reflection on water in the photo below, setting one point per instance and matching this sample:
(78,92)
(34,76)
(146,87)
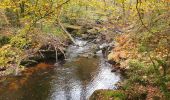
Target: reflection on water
(34,87)
(75,80)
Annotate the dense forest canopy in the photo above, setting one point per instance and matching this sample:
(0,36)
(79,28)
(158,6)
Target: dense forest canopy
(142,47)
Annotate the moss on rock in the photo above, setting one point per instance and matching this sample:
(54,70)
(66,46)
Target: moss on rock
(104,94)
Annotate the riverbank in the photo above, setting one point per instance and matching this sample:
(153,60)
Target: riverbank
(144,64)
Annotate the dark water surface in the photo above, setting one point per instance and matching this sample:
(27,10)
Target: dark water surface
(76,79)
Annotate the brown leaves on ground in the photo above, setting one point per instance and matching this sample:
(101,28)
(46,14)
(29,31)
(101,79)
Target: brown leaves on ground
(141,92)
(153,93)
(124,49)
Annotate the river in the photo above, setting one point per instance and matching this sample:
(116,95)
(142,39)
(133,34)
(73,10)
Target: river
(75,79)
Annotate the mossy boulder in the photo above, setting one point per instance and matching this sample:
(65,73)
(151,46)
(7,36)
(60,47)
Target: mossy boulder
(105,94)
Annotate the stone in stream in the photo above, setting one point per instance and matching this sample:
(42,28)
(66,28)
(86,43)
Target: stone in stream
(106,47)
(113,70)
(88,55)
(112,62)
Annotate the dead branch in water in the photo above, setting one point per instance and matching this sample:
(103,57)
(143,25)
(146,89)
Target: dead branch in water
(63,28)
(68,34)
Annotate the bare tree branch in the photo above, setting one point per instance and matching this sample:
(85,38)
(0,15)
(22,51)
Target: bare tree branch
(140,18)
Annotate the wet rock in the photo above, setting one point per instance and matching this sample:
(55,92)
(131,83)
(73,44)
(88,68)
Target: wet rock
(112,62)
(88,55)
(122,70)
(113,70)
(84,55)
(98,40)
(112,44)
(104,45)
(119,70)
(106,48)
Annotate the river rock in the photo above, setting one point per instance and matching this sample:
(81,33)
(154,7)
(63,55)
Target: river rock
(84,55)
(106,45)
(113,70)
(112,62)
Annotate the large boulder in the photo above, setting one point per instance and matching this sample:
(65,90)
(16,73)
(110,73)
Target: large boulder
(104,94)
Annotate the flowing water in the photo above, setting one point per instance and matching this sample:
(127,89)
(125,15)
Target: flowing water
(76,79)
